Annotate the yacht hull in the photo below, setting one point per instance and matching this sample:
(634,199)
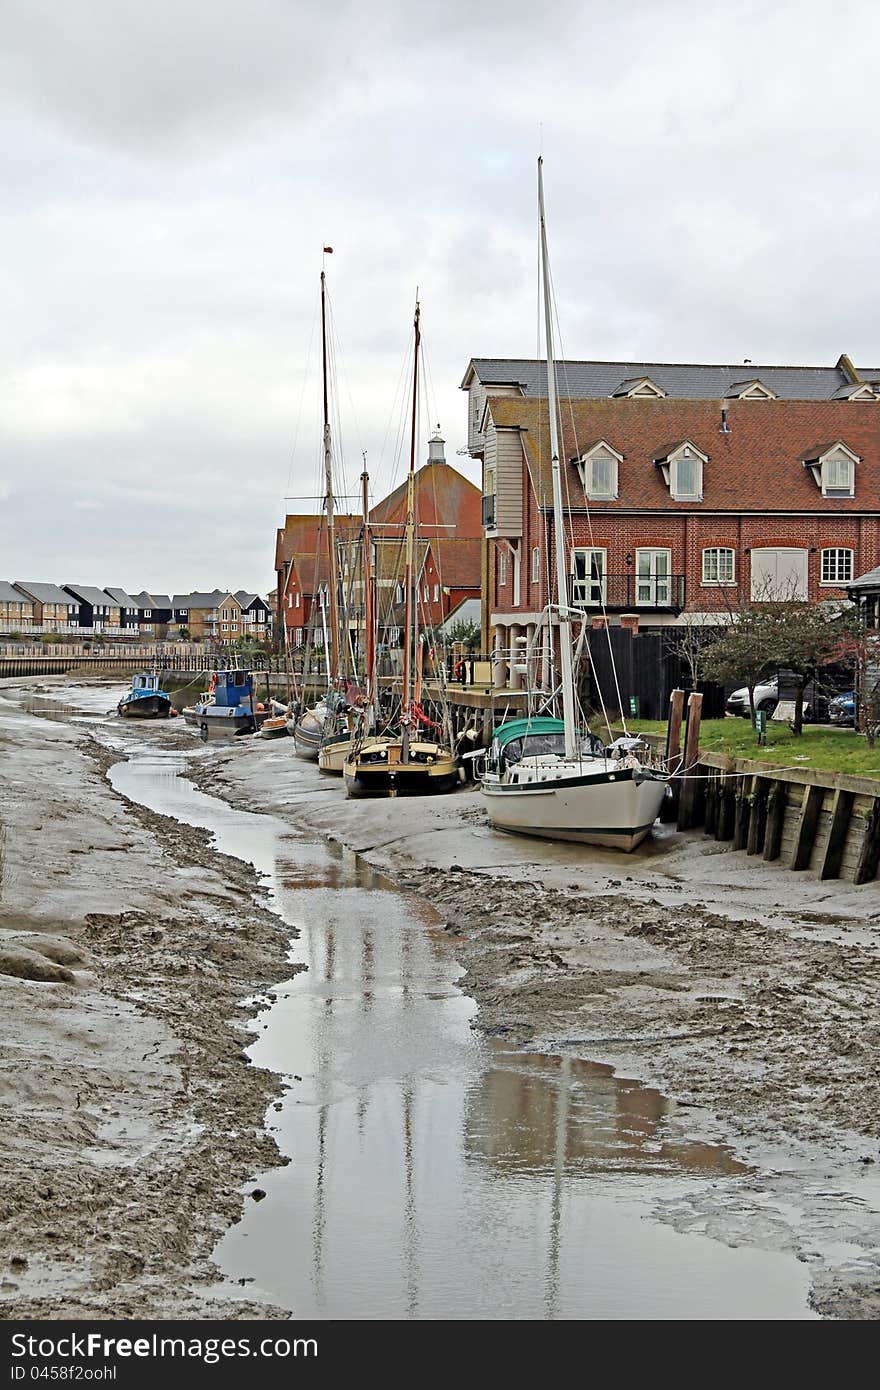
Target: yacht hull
(616,809)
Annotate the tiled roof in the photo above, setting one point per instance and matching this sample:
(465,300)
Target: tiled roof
(87,593)
(122,598)
(871,580)
(10,595)
(145,600)
(685,381)
(45,593)
(458,562)
(198,600)
(443,497)
(755,466)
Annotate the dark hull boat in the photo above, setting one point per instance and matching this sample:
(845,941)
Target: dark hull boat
(145,700)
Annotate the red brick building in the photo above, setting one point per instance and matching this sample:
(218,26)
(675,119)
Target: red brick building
(448,517)
(677,507)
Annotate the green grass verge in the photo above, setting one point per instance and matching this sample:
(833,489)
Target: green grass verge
(827,750)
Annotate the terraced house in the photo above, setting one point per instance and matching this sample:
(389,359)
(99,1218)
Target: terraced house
(16,610)
(54,609)
(687,487)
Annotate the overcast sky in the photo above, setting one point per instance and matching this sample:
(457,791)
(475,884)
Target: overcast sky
(172,169)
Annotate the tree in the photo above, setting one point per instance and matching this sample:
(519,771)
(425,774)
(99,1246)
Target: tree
(746,650)
(465,633)
(689,642)
(812,636)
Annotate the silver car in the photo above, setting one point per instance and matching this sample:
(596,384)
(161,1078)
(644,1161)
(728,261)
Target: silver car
(766,698)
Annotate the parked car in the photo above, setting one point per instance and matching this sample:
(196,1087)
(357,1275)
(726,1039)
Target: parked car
(766,698)
(842,708)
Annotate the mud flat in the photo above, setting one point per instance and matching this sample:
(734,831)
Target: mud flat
(130,1117)
(745,993)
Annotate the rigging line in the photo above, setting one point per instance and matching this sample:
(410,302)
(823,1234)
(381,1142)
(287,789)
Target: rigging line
(394,415)
(603,580)
(302,394)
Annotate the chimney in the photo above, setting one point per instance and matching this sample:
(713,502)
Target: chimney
(436,452)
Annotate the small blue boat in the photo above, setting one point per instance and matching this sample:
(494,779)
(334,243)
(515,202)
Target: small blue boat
(145,700)
(228,705)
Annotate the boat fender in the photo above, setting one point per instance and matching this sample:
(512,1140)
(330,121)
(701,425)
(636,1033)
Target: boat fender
(213,683)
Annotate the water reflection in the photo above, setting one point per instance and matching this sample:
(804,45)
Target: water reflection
(432,1174)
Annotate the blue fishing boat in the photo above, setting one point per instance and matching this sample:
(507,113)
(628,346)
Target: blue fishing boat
(145,700)
(228,706)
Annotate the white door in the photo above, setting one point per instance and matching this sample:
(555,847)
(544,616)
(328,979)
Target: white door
(588,577)
(652,578)
(779,573)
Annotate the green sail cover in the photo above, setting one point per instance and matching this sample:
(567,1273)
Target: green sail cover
(519,728)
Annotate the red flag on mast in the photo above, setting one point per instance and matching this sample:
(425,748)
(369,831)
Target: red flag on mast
(329,250)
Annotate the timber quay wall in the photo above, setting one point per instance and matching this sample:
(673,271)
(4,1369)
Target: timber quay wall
(825,822)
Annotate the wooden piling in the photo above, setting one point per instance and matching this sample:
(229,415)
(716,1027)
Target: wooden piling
(869,854)
(726,808)
(841,814)
(758,815)
(711,821)
(777,801)
(806,827)
(741,813)
(687,796)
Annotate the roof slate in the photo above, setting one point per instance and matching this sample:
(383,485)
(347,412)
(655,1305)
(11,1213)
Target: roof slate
(122,598)
(10,595)
(755,466)
(88,593)
(45,593)
(682,380)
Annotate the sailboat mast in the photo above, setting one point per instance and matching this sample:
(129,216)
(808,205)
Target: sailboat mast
(409,618)
(369,612)
(568,706)
(328,501)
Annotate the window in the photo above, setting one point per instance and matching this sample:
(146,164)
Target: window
(838,476)
(489,484)
(502,567)
(601,472)
(718,565)
(148,612)
(779,573)
(436,593)
(588,572)
(686,476)
(653,586)
(425,592)
(298,599)
(536,565)
(837,566)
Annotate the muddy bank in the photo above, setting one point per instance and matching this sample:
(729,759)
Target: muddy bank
(748,995)
(130,1115)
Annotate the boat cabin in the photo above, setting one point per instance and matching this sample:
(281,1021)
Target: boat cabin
(232,688)
(142,684)
(541,737)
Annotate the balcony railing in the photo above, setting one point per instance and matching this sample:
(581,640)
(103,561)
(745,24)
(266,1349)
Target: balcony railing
(489,510)
(624,592)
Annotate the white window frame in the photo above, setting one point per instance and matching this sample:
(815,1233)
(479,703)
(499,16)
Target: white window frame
(658,585)
(502,569)
(718,551)
(536,564)
(691,456)
(837,581)
(596,590)
(838,458)
(298,599)
(600,453)
(436,593)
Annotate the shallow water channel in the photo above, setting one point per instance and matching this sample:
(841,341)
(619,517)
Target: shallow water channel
(434,1173)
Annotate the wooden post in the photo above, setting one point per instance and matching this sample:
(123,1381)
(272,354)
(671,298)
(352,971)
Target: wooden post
(806,827)
(841,813)
(712,784)
(869,856)
(776,804)
(724,827)
(741,815)
(673,750)
(758,815)
(687,792)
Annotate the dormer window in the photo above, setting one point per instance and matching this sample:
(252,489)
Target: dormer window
(750,391)
(834,469)
(682,469)
(640,388)
(598,471)
(857,391)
